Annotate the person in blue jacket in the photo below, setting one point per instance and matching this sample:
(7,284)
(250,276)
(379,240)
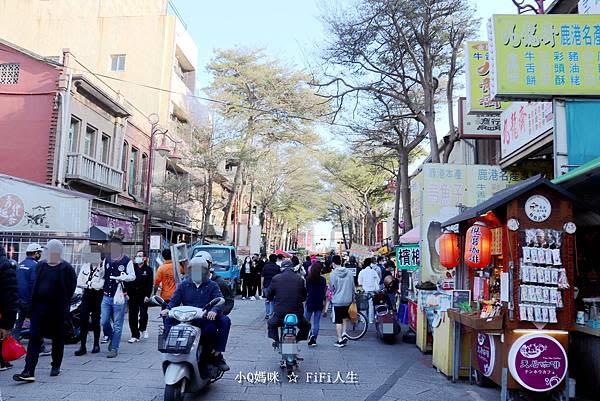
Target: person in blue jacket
(198,290)
(26,272)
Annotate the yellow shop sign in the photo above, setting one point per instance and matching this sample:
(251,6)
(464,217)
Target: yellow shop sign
(537,56)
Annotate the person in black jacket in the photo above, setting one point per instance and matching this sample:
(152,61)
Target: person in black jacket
(139,292)
(8,301)
(259,264)
(269,271)
(287,292)
(50,299)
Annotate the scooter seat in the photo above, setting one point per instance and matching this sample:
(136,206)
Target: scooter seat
(290,320)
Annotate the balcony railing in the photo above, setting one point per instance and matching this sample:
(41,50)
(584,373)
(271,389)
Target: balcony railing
(84,168)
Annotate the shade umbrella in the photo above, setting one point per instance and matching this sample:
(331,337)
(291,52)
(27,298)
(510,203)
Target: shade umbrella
(282,253)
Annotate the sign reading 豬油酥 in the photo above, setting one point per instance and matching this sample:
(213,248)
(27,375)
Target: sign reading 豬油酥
(537,56)
(30,207)
(479,77)
(589,6)
(408,257)
(523,123)
(480,125)
(538,362)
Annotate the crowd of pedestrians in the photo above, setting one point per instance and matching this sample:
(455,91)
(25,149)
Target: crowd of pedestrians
(41,287)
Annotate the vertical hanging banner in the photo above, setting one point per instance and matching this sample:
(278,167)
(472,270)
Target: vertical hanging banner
(479,76)
(540,56)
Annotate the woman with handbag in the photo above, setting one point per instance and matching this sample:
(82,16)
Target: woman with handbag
(316,288)
(91,280)
(8,302)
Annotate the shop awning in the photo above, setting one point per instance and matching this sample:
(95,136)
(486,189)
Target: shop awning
(506,195)
(412,236)
(175,228)
(579,174)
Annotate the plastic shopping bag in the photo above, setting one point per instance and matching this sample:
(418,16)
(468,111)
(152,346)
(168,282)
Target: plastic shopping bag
(119,295)
(12,349)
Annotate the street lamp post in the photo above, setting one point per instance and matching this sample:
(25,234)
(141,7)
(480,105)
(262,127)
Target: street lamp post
(155,131)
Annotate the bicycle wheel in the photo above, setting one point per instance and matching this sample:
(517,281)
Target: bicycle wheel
(356,330)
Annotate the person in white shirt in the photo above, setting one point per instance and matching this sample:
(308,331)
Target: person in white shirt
(368,279)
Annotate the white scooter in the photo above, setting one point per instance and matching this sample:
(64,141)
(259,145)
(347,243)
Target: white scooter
(181,351)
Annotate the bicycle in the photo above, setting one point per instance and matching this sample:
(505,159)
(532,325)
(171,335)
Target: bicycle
(358,328)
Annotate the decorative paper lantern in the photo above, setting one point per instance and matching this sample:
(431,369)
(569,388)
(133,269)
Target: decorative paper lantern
(449,250)
(478,246)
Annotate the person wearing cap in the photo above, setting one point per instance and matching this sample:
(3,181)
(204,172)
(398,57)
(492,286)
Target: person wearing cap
(198,290)
(50,299)
(287,291)
(26,271)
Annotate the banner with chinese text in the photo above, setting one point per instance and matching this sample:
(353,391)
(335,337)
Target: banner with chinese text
(522,123)
(480,125)
(478,67)
(408,257)
(537,56)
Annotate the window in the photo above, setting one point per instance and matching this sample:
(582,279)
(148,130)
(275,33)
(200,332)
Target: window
(89,141)
(105,148)
(133,169)
(9,73)
(144,174)
(117,62)
(124,159)
(73,135)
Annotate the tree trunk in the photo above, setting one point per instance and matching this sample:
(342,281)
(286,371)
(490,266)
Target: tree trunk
(405,191)
(343,231)
(227,212)
(263,234)
(249,228)
(208,206)
(396,228)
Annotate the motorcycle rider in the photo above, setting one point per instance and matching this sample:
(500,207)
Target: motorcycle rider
(288,292)
(198,290)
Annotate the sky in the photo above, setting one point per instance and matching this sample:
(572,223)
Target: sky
(287,29)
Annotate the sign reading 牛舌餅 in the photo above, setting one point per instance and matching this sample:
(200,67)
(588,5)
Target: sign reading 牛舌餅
(479,75)
(537,56)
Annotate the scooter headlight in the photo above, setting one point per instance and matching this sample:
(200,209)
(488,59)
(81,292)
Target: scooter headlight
(184,316)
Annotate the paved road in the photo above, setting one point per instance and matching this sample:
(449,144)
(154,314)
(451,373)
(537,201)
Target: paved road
(384,372)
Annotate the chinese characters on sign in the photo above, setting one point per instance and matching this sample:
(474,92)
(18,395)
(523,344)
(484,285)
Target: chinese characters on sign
(474,245)
(545,55)
(479,78)
(264,377)
(486,353)
(481,125)
(522,123)
(408,257)
(538,362)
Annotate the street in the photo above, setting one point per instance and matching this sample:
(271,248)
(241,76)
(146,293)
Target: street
(384,372)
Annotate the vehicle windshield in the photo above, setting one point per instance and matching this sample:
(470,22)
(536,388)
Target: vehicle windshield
(220,257)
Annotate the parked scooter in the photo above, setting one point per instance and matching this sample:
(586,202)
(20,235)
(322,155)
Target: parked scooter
(72,322)
(287,345)
(386,319)
(181,351)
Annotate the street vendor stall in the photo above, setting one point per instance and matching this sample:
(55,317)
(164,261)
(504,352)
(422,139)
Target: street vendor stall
(521,300)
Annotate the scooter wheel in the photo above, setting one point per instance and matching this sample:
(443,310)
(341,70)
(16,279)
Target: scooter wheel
(174,392)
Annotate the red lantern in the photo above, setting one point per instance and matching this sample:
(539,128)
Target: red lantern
(478,246)
(449,250)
